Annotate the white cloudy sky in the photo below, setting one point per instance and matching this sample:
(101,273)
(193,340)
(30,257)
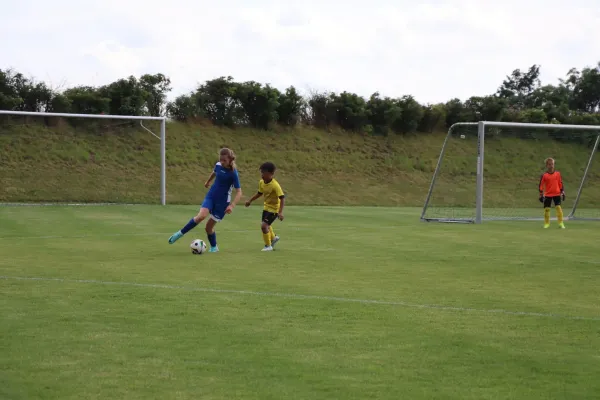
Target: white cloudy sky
(435,50)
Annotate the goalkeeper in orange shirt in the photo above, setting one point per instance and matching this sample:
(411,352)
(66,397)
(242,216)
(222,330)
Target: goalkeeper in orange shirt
(552,190)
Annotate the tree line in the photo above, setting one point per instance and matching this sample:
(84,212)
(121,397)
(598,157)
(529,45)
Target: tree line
(225,102)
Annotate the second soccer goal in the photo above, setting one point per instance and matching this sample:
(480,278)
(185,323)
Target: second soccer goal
(491,171)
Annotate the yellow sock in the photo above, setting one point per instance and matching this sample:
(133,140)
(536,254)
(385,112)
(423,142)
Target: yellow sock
(559,214)
(547,215)
(267,238)
(271,232)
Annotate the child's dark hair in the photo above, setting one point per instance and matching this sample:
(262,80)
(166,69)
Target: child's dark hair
(267,167)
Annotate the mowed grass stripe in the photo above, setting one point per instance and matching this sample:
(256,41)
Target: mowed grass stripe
(302,297)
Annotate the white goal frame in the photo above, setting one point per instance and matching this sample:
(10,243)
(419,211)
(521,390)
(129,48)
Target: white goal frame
(162,137)
(481,131)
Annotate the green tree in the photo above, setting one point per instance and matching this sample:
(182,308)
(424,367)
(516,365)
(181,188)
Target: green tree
(457,112)
(382,113)
(156,88)
(554,100)
(87,100)
(583,118)
(409,120)
(348,110)
(184,108)
(24,94)
(511,114)
(126,96)
(535,116)
(291,107)
(433,117)
(585,86)
(59,104)
(9,98)
(486,108)
(516,87)
(259,103)
(217,100)
(320,110)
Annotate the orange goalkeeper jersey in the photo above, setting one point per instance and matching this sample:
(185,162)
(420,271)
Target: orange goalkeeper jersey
(551,184)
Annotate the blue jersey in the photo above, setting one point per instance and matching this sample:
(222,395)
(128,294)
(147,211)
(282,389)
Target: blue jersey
(225,180)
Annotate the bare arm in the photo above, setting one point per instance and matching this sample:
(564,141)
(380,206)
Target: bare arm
(238,196)
(209,180)
(281,205)
(256,196)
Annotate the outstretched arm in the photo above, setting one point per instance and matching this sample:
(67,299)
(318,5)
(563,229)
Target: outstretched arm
(256,196)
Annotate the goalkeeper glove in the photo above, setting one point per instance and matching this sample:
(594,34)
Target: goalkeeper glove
(541,198)
(563,196)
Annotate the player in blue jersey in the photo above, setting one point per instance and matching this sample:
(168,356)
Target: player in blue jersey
(217,201)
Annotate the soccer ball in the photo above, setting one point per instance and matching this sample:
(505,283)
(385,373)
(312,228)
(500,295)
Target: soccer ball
(198,246)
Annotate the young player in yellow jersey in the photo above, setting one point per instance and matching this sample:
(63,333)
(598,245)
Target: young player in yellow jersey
(273,204)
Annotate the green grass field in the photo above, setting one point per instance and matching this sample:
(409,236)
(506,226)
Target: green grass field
(355,303)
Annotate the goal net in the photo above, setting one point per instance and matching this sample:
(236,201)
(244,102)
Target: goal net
(81,158)
(491,171)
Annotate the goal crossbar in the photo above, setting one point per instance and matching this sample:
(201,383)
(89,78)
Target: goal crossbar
(141,118)
(481,134)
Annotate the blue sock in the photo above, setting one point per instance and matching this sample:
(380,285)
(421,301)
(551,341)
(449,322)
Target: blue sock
(189,226)
(212,238)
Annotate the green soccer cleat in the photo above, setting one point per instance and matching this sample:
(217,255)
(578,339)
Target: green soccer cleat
(267,248)
(546,226)
(561,225)
(175,237)
(214,249)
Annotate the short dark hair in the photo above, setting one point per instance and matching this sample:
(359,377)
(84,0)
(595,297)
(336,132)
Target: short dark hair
(267,167)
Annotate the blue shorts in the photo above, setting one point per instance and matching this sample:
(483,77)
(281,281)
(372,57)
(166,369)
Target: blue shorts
(216,209)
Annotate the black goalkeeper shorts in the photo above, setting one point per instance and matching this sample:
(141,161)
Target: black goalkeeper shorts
(548,201)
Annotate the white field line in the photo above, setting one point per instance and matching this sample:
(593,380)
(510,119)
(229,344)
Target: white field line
(295,296)
(110,235)
(225,231)
(68,204)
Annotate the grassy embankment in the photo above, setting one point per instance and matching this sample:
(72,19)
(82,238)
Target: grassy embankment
(113,163)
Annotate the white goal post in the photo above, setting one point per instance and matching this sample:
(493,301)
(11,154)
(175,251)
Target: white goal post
(162,137)
(467,189)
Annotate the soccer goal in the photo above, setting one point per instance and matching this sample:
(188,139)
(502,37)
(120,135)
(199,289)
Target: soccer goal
(81,158)
(491,171)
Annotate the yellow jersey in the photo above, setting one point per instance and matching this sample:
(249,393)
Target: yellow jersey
(272,193)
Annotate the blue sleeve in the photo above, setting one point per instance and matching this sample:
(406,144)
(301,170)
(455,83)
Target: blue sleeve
(236,180)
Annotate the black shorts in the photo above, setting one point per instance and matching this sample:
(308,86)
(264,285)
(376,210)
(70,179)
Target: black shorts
(269,217)
(548,201)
